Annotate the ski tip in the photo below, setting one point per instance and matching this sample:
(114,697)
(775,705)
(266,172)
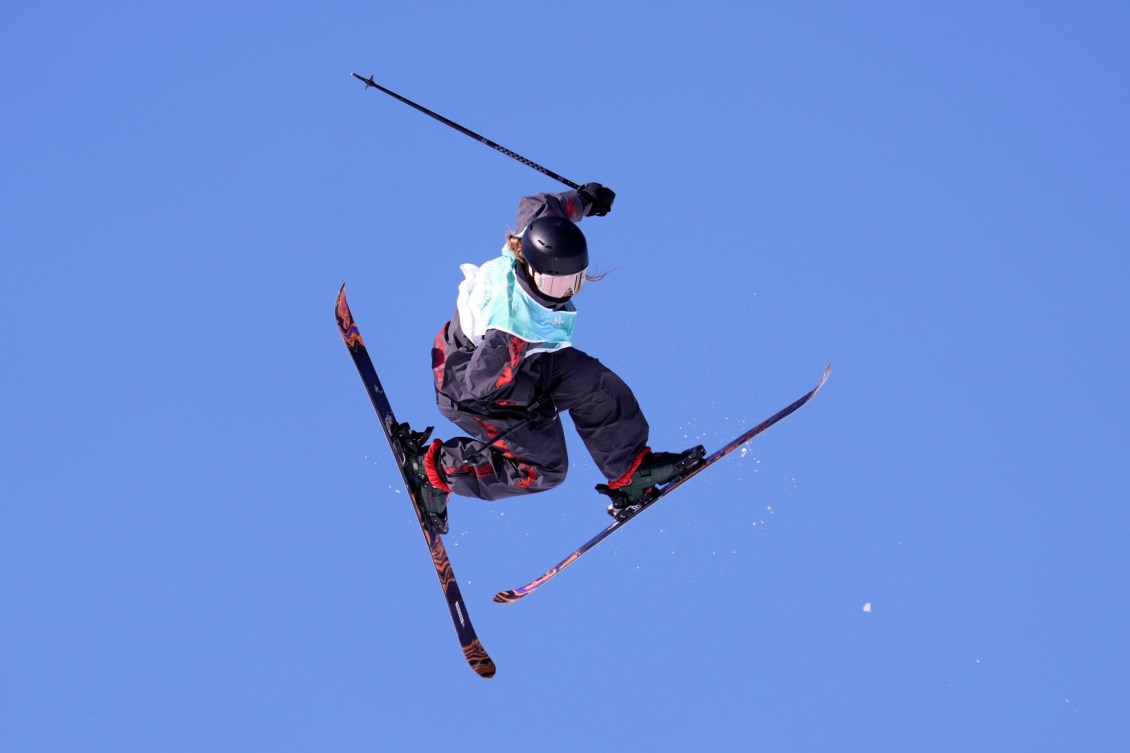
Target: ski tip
(341,305)
(824,377)
(507,597)
(345,324)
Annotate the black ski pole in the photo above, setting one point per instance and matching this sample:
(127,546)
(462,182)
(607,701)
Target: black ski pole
(536,416)
(520,425)
(369,82)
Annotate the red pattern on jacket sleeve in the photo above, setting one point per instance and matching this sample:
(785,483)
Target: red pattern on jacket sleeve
(517,352)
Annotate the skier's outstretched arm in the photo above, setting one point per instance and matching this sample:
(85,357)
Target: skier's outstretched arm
(592,199)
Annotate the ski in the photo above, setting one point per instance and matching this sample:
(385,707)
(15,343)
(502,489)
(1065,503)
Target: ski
(508,597)
(404,443)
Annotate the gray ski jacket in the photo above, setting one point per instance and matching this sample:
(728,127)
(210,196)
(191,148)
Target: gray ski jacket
(496,376)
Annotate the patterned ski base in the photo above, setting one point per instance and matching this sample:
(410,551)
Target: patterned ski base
(473,649)
(514,594)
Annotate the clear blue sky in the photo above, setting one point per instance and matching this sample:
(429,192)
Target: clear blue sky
(203,544)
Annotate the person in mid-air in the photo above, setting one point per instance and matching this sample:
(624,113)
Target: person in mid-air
(505,365)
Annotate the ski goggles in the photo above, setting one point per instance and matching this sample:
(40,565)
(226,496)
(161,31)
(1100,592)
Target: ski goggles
(560,286)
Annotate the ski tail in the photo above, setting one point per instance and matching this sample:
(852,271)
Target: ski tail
(514,594)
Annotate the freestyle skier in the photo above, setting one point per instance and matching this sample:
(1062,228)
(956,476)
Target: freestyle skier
(504,367)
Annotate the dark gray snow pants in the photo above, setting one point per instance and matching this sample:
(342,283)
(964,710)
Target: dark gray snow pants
(533,458)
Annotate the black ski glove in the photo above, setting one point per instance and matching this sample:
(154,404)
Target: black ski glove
(597,198)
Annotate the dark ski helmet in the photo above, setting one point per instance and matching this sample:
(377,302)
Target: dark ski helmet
(558,255)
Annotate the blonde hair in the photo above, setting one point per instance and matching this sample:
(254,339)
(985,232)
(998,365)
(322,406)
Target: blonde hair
(514,243)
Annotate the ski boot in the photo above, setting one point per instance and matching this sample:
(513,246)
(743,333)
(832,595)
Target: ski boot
(630,493)
(432,487)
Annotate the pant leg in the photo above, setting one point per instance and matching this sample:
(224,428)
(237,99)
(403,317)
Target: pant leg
(603,408)
(532,459)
